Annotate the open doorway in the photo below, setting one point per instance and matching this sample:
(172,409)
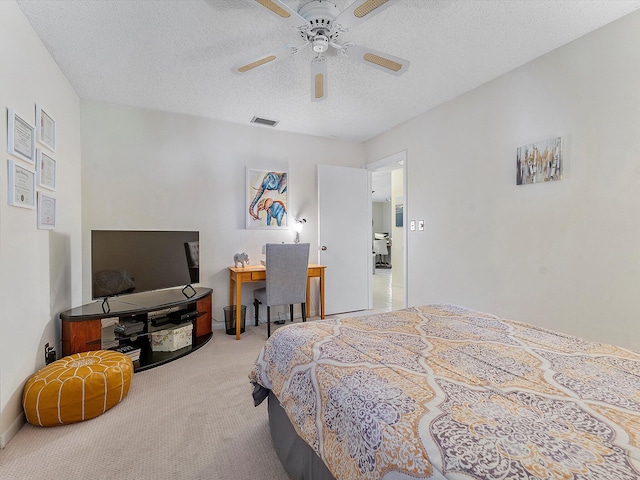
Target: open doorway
(388,232)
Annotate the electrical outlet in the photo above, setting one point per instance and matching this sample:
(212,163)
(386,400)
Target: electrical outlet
(49,354)
(421,225)
(412,225)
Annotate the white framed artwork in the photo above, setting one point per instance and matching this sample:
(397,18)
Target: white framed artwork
(45,128)
(22,186)
(46,170)
(21,137)
(46,211)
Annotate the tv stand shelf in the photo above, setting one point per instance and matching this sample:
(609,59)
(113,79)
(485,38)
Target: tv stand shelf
(82,326)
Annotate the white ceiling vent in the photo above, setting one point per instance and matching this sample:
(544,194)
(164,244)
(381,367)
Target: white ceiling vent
(264,121)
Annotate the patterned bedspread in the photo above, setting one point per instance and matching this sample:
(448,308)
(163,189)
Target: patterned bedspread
(444,392)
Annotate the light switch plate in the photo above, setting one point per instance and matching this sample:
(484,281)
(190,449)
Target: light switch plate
(412,225)
(421,225)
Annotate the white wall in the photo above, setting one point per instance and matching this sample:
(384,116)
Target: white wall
(40,272)
(563,255)
(150,170)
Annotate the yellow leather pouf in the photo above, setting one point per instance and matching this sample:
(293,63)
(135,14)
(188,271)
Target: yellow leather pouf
(77,387)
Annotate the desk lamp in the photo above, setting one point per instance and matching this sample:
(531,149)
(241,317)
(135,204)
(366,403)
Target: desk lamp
(298,226)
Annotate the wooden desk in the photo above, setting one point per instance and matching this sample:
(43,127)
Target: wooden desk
(257,273)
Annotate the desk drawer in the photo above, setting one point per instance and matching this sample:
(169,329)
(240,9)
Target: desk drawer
(256,276)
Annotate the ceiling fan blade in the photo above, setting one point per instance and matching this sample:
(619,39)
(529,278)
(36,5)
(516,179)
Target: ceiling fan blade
(292,17)
(361,10)
(267,59)
(319,82)
(376,59)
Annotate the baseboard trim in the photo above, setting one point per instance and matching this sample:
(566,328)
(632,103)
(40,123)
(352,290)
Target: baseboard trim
(6,437)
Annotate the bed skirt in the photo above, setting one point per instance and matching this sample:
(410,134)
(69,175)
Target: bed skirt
(298,458)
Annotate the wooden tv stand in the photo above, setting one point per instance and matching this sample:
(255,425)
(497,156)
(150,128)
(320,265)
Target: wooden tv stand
(82,326)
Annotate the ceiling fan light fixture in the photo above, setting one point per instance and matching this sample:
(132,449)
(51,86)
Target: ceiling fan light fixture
(320,44)
(367,7)
(275,8)
(382,62)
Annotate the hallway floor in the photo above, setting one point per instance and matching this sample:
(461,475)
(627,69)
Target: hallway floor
(386,296)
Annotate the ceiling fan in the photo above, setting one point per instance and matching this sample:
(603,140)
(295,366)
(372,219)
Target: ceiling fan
(320,24)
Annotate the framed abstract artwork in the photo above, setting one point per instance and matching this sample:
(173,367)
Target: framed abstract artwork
(266,199)
(399,214)
(539,162)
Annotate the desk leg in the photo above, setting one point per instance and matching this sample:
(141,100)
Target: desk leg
(232,284)
(308,295)
(238,307)
(322,293)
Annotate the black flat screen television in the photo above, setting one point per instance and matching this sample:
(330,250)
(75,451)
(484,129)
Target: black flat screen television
(133,261)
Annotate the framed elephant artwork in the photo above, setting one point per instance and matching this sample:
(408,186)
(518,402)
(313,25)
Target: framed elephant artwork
(266,195)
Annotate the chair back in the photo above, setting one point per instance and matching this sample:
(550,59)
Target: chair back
(192,250)
(286,265)
(380,247)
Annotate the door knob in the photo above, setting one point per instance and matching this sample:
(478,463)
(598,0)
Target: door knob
(323,248)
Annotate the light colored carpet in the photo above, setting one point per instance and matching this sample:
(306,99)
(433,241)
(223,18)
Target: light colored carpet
(192,418)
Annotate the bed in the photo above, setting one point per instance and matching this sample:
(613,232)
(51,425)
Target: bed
(440,391)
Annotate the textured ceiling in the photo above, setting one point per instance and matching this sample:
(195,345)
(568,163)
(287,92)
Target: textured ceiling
(176,56)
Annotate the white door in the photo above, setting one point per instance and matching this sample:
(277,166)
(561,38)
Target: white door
(344,218)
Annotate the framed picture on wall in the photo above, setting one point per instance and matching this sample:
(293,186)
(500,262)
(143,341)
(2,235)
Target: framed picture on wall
(539,162)
(46,211)
(46,128)
(22,186)
(266,199)
(46,170)
(21,137)
(399,214)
